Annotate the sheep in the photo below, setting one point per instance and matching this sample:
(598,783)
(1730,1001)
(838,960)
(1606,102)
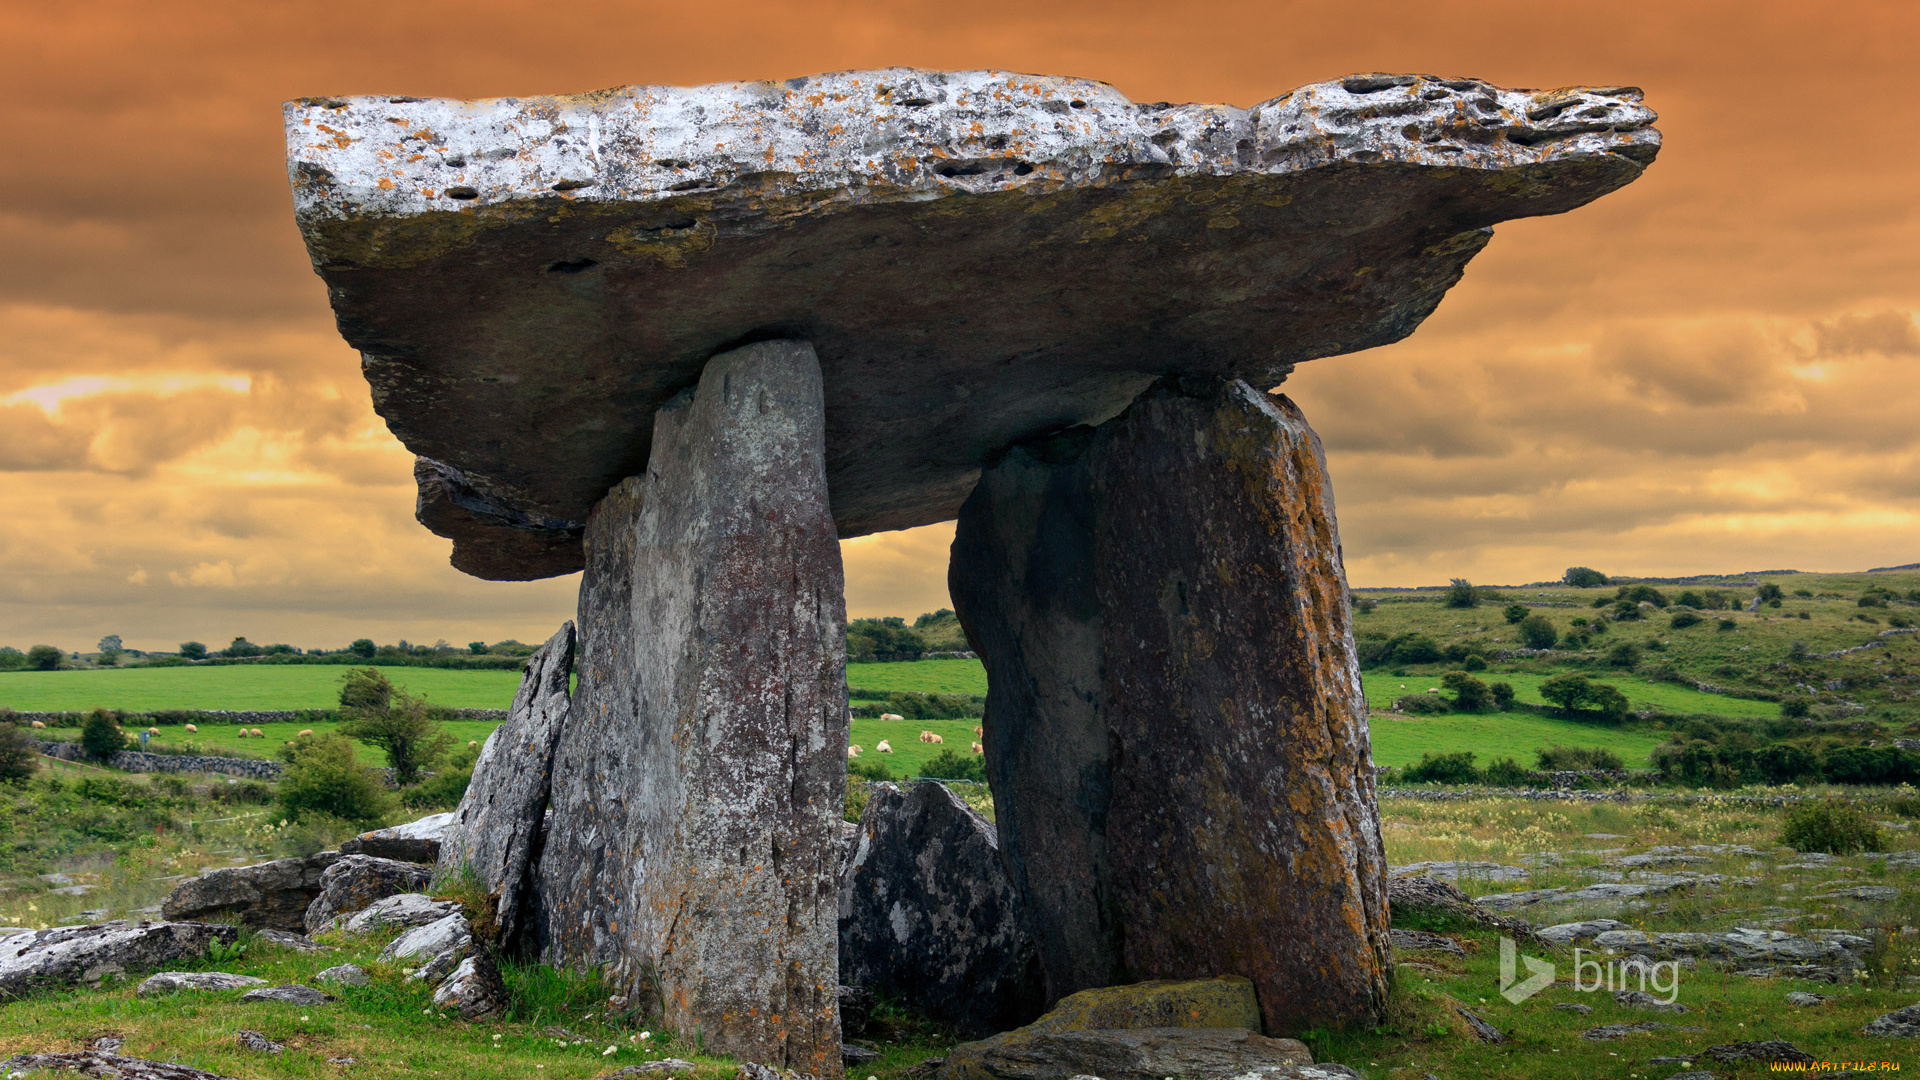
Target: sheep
(883,746)
(853,751)
(305,734)
(932,738)
(258,734)
(192,729)
(926,736)
(39,725)
(978,749)
(891,716)
(241,734)
(978,731)
(471,743)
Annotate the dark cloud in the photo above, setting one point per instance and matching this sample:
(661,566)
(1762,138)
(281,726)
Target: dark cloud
(1889,333)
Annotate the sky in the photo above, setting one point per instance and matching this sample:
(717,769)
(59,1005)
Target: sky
(1714,369)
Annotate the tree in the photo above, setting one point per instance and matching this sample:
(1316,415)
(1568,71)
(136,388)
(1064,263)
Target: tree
(406,731)
(192,650)
(1771,593)
(1515,612)
(1456,768)
(1568,691)
(1624,654)
(1460,594)
(323,778)
(1469,693)
(1502,694)
(363,647)
(947,765)
(110,649)
(101,736)
(883,639)
(18,758)
(365,688)
(1582,577)
(477,648)
(43,658)
(1538,632)
(240,648)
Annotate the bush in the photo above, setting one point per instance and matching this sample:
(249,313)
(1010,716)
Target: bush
(1577,759)
(887,639)
(1870,765)
(1421,704)
(868,770)
(1795,707)
(365,688)
(1727,624)
(1460,594)
(1365,605)
(1469,693)
(1624,654)
(101,736)
(1474,662)
(1506,772)
(443,788)
(407,731)
(324,779)
(1502,694)
(1515,612)
(1683,619)
(1582,577)
(1689,598)
(18,758)
(1832,826)
(1574,692)
(1785,763)
(1433,768)
(1640,594)
(947,765)
(43,658)
(1873,600)
(1538,632)
(1770,594)
(192,650)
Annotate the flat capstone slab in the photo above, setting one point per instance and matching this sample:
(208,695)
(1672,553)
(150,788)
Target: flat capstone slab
(978,257)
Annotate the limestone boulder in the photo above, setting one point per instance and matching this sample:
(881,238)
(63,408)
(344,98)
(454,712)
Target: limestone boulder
(979,257)
(273,895)
(74,955)
(474,990)
(416,841)
(928,916)
(168,982)
(345,975)
(494,832)
(1124,1054)
(353,882)
(1898,1024)
(101,1064)
(1226,1002)
(400,910)
(434,949)
(290,994)
(1433,899)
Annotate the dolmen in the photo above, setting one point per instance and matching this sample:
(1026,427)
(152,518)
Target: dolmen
(684,340)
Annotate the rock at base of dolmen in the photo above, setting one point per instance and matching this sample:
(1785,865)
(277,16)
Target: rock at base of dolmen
(699,782)
(273,895)
(497,826)
(71,955)
(1034,1053)
(354,882)
(928,916)
(474,991)
(167,982)
(1227,1002)
(95,1063)
(1161,603)
(416,841)
(401,909)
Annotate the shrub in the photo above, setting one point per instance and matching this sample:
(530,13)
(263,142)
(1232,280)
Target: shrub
(18,758)
(1502,694)
(1365,605)
(1689,598)
(1574,692)
(1784,763)
(1770,594)
(1469,693)
(1421,704)
(1683,619)
(1460,594)
(363,648)
(1416,649)
(869,770)
(443,788)
(101,736)
(324,779)
(1795,707)
(1474,662)
(1506,772)
(43,658)
(1434,768)
(241,648)
(365,688)
(1515,612)
(1577,758)
(11,659)
(1538,632)
(1640,594)
(885,639)
(1873,600)
(1832,826)
(1624,654)
(947,765)
(407,731)
(1870,765)
(192,650)
(1582,577)
(1727,624)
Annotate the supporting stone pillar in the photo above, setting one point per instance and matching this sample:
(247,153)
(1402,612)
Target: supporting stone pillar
(699,784)
(1175,731)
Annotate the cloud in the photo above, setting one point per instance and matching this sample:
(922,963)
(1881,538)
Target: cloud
(1889,333)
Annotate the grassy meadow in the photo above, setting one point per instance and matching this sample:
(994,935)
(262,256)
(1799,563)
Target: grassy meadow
(239,687)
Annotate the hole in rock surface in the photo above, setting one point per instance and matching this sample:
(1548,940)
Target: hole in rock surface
(1077,103)
(572,185)
(571,266)
(461,193)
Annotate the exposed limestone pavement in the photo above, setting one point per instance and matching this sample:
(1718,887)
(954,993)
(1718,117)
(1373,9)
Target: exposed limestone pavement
(70,955)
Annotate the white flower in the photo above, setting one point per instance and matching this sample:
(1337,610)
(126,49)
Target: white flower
(608,1050)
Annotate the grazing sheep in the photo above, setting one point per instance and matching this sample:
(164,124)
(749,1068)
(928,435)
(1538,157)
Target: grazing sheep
(891,716)
(926,736)
(884,747)
(39,725)
(471,743)
(306,734)
(978,731)
(241,734)
(932,738)
(853,751)
(192,730)
(258,734)
(978,749)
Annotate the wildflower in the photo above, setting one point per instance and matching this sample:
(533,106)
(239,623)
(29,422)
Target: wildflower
(610,1049)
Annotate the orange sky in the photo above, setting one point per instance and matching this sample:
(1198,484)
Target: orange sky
(1714,369)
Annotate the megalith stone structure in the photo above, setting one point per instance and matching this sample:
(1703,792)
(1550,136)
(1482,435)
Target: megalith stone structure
(700,779)
(681,337)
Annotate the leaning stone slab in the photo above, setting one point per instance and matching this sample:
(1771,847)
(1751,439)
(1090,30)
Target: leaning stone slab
(273,894)
(474,990)
(1435,899)
(436,948)
(1121,1054)
(495,829)
(72,955)
(101,1064)
(354,882)
(405,909)
(168,982)
(928,916)
(1180,770)
(699,783)
(416,841)
(1071,243)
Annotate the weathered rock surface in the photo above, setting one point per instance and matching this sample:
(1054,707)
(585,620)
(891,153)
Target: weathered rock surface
(1758,1050)
(927,914)
(290,994)
(1226,1002)
(416,841)
(1421,941)
(345,975)
(497,825)
(1121,1054)
(1478,1026)
(1640,999)
(167,982)
(1586,929)
(107,1066)
(404,909)
(1178,572)
(258,1043)
(354,882)
(474,990)
(1454,871)
(1435,899)
(436,948)
(699,782)
(1898,1024)
(288,940)
(1737,944)
(270,894)
(571,262)
(69,955)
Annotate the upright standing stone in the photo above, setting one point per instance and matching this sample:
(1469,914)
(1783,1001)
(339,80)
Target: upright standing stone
(1165,596)
(496,828)
(699,782)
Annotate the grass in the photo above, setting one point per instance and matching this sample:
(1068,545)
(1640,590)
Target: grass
(239,687)
(909,753)
(223,740)
(924,676)
(1382,688)
(1400,740)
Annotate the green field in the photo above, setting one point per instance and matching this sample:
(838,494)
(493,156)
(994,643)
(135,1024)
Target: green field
(923,676)
(262,687)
